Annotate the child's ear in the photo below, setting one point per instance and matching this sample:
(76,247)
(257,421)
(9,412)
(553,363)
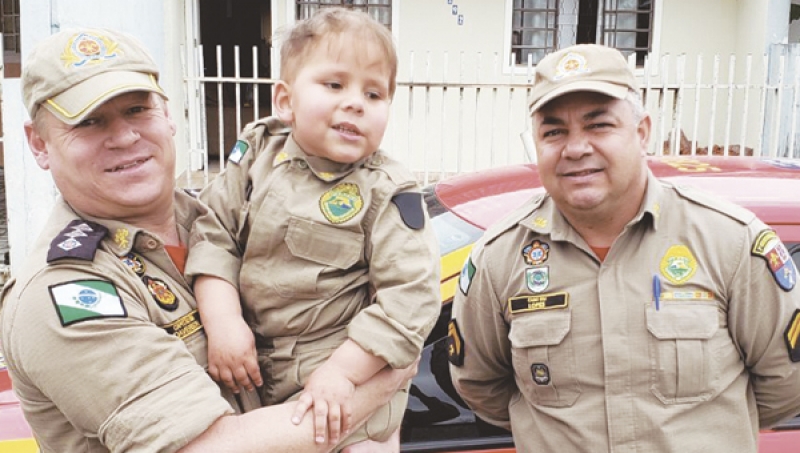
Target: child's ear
(282,102)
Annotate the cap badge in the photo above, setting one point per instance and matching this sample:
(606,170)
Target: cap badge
(85,49)
(571,64)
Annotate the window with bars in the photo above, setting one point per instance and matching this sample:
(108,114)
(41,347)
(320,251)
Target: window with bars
(10,26)
(380,10)
(534,29)
(539,27)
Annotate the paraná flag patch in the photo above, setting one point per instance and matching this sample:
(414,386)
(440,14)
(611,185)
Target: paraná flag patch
(82,300)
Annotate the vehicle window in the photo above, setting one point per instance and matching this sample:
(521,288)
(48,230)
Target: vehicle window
(794,250)
(452,232)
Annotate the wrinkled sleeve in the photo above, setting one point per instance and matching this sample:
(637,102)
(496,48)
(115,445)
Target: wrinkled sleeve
(214,245)
(485,378)
(123,380)
(763,320)
(404,273)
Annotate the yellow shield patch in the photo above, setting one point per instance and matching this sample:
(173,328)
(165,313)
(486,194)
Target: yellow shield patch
(341,203)
(678,265)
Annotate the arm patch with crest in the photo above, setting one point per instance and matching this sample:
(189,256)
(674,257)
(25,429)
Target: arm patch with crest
(768,246)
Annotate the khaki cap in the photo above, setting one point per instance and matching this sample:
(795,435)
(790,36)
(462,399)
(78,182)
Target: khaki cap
(74,71)
(584,67)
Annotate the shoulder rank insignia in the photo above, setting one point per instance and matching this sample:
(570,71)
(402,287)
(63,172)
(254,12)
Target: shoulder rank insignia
(792,336)
(238,151)
(410,206)
(341,203)
(678,265)
(455,344)
(522,304)
(768,246)
(79,240)
(163,296)
(82,300)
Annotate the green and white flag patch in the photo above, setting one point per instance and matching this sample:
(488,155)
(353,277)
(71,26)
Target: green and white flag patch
(82,300)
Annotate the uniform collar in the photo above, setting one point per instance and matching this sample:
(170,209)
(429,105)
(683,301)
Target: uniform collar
(324,169)
(546,219)
(124,237)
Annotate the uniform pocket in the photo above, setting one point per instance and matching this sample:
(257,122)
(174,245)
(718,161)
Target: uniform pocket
(544,358)
(683,368)
(316,256)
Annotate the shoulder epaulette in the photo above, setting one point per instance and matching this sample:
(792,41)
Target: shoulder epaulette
(79,240)
(513,219)
(727,208)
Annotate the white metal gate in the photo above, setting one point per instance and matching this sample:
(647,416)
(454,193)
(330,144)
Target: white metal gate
(459,113)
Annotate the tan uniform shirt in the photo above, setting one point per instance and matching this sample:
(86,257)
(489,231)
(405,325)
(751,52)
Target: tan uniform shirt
(572,354)
(319,249)
(103,344)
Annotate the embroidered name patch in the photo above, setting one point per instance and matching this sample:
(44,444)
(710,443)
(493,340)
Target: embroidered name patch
(768,246)
(185,325)
(82,300)
(522,304)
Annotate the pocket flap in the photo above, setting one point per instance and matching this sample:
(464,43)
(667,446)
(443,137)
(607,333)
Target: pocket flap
(683,321)
(541,328)
(324,244)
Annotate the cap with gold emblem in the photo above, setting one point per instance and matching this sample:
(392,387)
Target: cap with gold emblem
(584,67)
(74,71)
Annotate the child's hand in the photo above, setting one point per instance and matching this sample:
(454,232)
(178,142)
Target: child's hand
(232,357)
(331,394)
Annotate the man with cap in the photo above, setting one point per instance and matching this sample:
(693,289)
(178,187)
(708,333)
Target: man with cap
(99,328)
(617,312)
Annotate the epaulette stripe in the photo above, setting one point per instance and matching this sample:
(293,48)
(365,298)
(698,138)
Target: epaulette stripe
(79,240)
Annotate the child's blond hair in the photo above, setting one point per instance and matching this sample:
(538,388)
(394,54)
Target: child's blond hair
(300,40)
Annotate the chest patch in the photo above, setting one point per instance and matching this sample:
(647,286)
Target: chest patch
(163,296)
(678,265)
(185,326)
(523,304)
(341,203)
(83,300)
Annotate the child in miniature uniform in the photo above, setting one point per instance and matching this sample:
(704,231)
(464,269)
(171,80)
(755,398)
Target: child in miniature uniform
(323,236)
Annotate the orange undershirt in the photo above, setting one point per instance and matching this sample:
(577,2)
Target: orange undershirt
(178,255)
(601,252)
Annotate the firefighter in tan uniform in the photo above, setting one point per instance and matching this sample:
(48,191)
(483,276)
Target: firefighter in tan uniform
(618,313)
(324,236)
(100,330)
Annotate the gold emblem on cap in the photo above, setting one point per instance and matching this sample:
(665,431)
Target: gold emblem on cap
(571,64)
(85,48)
(121,237)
